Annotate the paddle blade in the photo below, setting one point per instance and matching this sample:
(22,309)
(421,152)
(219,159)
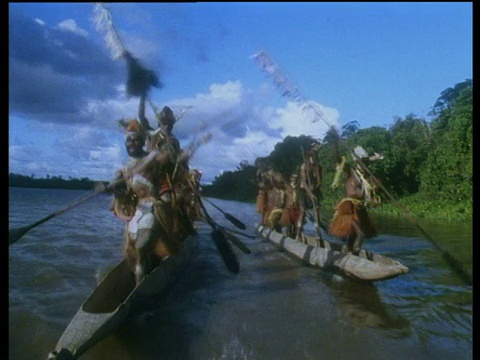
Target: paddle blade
(16,234)
(226,252)
(237,242)
(235,221)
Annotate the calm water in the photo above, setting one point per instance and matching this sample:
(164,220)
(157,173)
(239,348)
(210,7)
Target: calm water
(275,308)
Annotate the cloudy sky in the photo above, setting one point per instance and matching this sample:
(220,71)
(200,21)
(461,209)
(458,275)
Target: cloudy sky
(368,62)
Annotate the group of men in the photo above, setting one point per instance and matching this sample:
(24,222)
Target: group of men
(283,204)
(157,194)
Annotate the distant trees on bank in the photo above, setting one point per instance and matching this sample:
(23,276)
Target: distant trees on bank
(55,182)
(428,162)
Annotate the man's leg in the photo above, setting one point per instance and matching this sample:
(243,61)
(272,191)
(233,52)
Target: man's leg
(358,239)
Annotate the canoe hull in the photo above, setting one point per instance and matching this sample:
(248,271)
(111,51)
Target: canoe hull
(113,300)
(366,267)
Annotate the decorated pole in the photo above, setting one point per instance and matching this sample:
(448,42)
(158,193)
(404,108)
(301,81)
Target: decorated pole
(140,79)
(287,88)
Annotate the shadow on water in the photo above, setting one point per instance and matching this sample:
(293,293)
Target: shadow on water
(363,305)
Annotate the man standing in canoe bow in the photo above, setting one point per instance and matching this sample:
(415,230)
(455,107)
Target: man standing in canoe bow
(145,201)
(351,219)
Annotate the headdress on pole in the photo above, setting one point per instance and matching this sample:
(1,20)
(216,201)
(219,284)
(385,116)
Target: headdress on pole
(139,79)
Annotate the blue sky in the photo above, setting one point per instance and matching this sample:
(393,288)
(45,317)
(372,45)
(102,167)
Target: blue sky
(369,62)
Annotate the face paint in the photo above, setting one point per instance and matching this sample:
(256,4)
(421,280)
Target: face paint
(134,144)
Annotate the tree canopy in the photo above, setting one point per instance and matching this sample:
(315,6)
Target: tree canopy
(433,158)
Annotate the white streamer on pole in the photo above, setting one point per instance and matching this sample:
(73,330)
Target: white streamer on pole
(286,87)
(103,21)
(102,18)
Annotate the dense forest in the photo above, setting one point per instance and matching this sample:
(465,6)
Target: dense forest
(427,166)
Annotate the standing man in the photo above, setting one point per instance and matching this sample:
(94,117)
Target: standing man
(275,200)
(194,208)
(149,232)
(311,182)
(175,185)
(264,185)
(351,219)
(293,215)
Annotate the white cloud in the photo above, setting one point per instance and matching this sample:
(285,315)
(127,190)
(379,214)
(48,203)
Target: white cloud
(243,128)
(71,25)
(292,121)
(40,21)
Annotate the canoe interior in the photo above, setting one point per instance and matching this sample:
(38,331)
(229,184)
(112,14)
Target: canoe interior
(112,291)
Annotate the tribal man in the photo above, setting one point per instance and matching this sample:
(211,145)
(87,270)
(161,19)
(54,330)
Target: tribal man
(275,200)
(351,219)
(264,185)
(293,215)
(311,183)
(145,201)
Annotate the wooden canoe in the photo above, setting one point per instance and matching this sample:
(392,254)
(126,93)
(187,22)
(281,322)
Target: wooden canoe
(113,299)
(366,267)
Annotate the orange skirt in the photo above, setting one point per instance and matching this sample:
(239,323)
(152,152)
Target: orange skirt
(290,215)
(348,212)
(261,202)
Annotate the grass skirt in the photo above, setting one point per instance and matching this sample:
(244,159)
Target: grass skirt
(348,211)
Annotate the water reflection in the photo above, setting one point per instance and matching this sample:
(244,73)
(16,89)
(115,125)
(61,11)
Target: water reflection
(362,304)
(454,237)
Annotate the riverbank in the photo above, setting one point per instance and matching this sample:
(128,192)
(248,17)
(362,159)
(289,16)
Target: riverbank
(422,207)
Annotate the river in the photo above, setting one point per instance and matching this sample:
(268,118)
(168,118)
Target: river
(275,308)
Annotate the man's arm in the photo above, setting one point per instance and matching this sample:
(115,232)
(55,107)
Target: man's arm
(141,113)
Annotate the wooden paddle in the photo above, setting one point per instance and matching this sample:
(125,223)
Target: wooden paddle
(16,234)
(229,217)
(223,246)
(238,232)
(236,241)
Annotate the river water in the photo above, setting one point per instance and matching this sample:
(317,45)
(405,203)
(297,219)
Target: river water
(275,308)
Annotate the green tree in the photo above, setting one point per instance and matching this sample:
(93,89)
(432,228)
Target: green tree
(287,156)
(410,144)
(448,171)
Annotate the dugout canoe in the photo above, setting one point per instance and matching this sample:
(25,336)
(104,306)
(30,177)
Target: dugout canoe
(113,300)
(366,267)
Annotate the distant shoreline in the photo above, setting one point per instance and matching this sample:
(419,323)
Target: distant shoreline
(49,187)
(54,182)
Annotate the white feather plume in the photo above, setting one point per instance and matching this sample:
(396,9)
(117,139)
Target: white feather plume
(287,88)
(104,24)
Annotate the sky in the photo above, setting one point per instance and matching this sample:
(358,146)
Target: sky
(368,62)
